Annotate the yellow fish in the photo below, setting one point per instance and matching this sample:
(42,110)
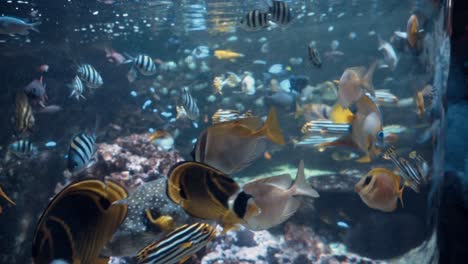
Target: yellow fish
(380,189)
(341,115)
(78,222)
(207,193)
(412,30)
(227,55)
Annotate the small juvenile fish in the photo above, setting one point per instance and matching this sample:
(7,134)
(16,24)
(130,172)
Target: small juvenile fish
(314,56)
(390,56)
(178,246)
(90,76)
(82,153)
(24,117)
(380,189)
(12,26)
(163,140)
(254,20)
(190,105)
(77,88)
(142,63)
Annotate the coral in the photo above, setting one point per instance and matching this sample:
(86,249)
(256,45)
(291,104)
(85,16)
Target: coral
(130,161)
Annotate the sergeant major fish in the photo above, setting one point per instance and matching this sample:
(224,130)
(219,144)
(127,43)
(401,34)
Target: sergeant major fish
(190,105)
(142,63)
(77,88)
(82,153)
(23,148)
(254,20)
(90,76)
(280,13)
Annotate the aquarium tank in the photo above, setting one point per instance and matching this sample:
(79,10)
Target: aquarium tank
(217,131)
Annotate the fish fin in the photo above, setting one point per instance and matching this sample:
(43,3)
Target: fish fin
(271,128)
(82,96)
(299,111)
(72,93)
(33,26)
(400,196)
(365,159)
(301,187)
(184,259)
(342,141)
(132,75)
(163,222)
(101,260)
(3,194)
(367,80)
(186,245)
(255,152)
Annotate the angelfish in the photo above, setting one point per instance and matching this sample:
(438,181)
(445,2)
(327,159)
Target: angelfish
(275,196)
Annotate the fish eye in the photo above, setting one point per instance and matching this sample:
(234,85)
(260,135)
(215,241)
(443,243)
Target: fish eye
(380,135)
(367,180)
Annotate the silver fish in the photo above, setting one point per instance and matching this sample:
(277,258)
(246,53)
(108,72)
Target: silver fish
(12,26)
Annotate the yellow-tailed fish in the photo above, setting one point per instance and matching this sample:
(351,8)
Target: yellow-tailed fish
(151,216)
(163,140)
(275,198)
(227,55)
(233,145)
(24,117)
(365,131)
(178,246)
(353,82)
(380,189)
(207,193)
(78,222)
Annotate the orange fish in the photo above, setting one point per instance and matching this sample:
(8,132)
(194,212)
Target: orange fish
(412,30)
(365,131)
(423,99)
(267,155)
(380,189)
(352,82)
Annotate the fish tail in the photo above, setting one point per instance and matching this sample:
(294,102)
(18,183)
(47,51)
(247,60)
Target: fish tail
(34,25)
(3,194)
(400,196)
(367,80)
(271,128)
(300,186)
(299,111)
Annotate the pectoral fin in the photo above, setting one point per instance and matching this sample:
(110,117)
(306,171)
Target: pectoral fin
(365,159)
(163,222)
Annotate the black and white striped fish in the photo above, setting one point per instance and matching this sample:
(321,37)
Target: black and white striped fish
(90,76)
(413,173)
(228,115)
(178,246)
(190,105)
(314,56)
(280,13)
(254,20)
(142,63)
(325,127)
(22,148)
(77,88)
(82,152)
